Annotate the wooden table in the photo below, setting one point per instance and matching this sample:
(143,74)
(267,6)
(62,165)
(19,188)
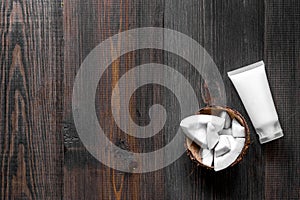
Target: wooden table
(44,42)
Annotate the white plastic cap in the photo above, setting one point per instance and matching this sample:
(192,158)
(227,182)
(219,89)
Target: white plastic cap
(269,132)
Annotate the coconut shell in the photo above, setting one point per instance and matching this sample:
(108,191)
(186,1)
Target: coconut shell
(193,149)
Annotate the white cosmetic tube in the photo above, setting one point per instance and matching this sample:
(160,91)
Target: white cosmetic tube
(253,88)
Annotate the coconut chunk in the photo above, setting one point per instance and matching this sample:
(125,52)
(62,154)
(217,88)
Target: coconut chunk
(223,146)
(227,159)
(225,131)
(195,121)
(191,122)
(217,122)
(212,136)
(198,136)
(207,156)
(227,118)
(237,129)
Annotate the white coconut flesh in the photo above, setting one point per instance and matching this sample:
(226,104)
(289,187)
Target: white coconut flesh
(212,136)
(220,144)
(227,118)
(195,121)
(225,131)
(223,146)
(237,129)
(197,135)
(224,161)
(195,127)
(207,156)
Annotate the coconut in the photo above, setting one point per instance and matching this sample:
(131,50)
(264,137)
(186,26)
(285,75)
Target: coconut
(225,132)
(207,156)
(196,121)
(223,145)
(212,136)
(196,127)
(197,135)
(194,150)
(227,159)
(237,129)
(227,118)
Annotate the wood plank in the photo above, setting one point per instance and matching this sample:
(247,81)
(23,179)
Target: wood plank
(31,63)
(282,51)
(232,32)
(84,176)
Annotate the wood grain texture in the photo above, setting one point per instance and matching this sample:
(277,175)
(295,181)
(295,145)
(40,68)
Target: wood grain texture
(85,177)
(30,148)
(282,56)
(43,44)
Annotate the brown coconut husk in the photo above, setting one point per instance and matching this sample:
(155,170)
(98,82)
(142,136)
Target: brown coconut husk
(193,149)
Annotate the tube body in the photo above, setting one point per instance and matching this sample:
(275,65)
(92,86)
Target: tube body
(253,88)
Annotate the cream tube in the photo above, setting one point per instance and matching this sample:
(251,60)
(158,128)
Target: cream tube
(252,86)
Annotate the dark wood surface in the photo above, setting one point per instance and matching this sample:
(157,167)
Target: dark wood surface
(43,44)
(30,94)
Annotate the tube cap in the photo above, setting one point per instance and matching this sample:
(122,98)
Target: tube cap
(269,132)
